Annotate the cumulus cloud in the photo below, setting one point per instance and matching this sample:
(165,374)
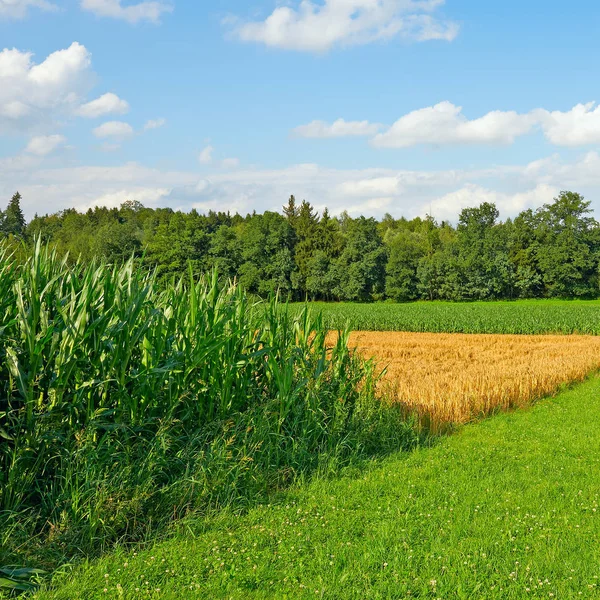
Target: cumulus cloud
(18,9)
(113,129)
(577,127)
(31,93)
(206,155)
(339,128)
(42,145)
(154,124)
(318,27)
(445,124)
(105,105)
(134,13)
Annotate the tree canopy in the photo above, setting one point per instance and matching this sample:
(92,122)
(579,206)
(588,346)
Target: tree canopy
(553,251)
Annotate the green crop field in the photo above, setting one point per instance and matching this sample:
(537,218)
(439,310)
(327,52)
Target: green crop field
(518,317)
(506,509)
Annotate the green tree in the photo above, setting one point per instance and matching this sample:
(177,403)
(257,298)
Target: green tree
(568,252)
(178,243)
(485,270)
(328,244)
(116,242)
(405,250)
(523,251)
(225,251)
(306,228)
(266,243)
(359,272)
(13,221)
(290,211)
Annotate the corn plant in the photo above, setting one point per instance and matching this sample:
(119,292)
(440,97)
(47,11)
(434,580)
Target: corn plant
(124,404)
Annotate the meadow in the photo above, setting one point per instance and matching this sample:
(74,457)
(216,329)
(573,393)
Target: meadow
(514,317)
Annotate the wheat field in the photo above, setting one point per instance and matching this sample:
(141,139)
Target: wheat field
(456,378)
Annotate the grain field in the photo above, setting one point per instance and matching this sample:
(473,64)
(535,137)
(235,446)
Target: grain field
(456,378)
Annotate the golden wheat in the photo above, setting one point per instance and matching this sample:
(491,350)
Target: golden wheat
(453,378)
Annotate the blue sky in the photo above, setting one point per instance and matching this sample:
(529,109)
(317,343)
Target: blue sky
(371,106)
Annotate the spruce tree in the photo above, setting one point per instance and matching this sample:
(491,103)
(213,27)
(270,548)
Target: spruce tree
(291,211)
(14,220)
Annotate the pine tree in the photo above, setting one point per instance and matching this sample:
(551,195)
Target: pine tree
(14,220)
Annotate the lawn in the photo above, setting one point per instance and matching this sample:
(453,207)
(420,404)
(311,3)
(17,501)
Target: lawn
(506,508)
(519,317)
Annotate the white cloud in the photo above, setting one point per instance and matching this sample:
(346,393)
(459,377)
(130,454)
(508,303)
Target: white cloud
(578,127)
(114,129)
(339,128)
(317,27)
(50,190)
(230,163)
(107,104)
(154,124)
(42,145)
(134,13)
(448,206)
(206,156)
(445,124)
(114,199)
(18,9)
(368,191)
(32,93)
(371,187)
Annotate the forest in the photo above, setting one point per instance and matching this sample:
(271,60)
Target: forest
(550,252)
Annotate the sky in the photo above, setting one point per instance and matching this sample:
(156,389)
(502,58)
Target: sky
(407,107)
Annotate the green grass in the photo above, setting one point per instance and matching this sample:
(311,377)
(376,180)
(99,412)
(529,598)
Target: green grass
(519,317)
(507,509)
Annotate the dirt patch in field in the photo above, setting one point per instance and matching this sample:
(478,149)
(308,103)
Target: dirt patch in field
(455,378)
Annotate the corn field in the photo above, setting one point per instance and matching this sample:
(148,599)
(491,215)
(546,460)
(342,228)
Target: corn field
(522,317)
(125,406)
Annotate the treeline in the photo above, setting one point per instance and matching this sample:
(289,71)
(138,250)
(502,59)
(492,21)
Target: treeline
(553,251)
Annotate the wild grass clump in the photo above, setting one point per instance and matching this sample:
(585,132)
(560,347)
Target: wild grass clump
(124,406)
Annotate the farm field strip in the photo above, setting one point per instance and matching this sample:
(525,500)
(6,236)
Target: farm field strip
(527,317)
(455,378)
